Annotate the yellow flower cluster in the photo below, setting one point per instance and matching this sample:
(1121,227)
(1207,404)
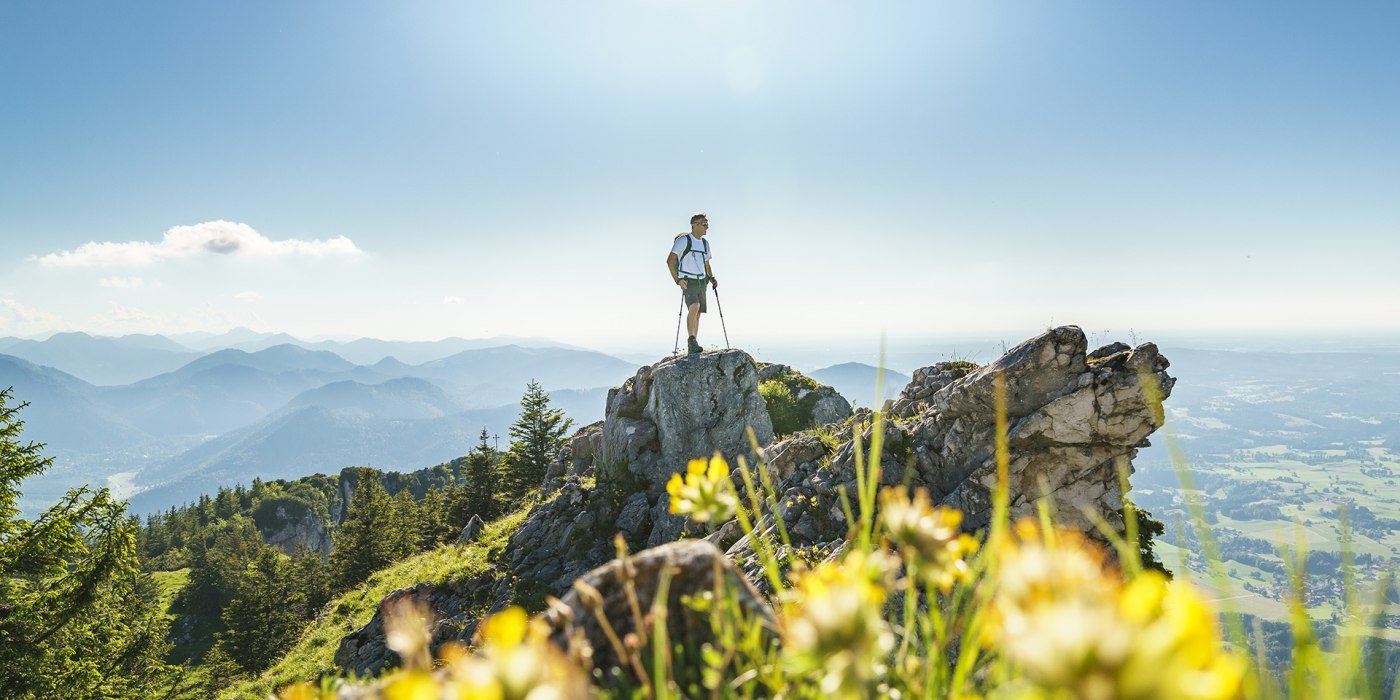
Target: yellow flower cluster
(930,538)
(705,494)
(1072,627)
(515,661)
(833,623)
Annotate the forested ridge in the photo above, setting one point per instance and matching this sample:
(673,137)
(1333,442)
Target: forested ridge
(182,603)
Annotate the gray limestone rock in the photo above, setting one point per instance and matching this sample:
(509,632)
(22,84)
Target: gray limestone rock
(576,458)
(693,564)
(292,526)
(1073,423)
(829,407)
(681,409)
(635,518)
(471,531)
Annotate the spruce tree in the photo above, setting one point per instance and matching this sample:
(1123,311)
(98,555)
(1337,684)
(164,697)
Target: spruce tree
(478,494)
(406,535)
(78,618)
(536,438)
(265,614)
(363,543)
(312,577)
(215,565)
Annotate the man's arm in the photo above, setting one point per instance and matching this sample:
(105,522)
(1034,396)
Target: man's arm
(710,273)
(672,265)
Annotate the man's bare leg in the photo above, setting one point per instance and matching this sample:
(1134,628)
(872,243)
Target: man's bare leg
(692,320)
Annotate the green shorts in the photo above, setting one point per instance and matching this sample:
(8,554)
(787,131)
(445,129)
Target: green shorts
(695,292)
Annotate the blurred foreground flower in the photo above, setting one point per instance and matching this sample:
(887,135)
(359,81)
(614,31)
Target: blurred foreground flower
(1072,627)
(705,494)
(514,661)
(833,623)
(930,537)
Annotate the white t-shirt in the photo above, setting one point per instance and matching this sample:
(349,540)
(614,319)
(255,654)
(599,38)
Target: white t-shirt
(692,264)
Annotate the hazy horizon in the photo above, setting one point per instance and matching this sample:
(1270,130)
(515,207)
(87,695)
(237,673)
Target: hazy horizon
(427,169)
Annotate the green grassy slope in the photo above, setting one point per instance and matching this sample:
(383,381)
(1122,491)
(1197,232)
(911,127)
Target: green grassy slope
(311,657)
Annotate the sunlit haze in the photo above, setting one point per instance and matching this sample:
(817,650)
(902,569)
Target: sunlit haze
(930,170)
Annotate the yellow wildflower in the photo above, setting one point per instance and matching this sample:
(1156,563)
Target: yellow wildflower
(1072,626)
(833,623)
(930,537)
(705,494)
(412,685)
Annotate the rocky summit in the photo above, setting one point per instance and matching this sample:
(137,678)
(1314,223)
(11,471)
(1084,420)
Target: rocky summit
(1075,421)
(679,409)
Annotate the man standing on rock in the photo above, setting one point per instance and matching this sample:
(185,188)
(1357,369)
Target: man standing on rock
(689,265)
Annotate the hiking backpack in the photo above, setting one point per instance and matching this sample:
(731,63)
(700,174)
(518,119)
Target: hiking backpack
(689,246)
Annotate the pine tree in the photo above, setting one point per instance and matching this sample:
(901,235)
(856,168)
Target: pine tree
(536,438)
(435,513)
(77,616)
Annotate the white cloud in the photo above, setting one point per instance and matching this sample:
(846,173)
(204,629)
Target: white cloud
(209,238)
(452,300)
(248,296)
(122,282)
(18,319)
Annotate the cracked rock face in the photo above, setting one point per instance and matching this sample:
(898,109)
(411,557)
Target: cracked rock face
(680,409)
(293,531)
(1074,419)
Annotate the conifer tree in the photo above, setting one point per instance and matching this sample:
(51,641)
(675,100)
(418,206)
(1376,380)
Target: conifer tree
(312,577)
(265,614)
(362,544)
(536,438)
(406,534)
(478,494)
(215,565)
(77,616)
(436,517)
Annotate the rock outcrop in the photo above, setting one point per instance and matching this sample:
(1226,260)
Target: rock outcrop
(802,402)
(471,530)
(292,526)
(1074,419)
(679,409)
(577,457)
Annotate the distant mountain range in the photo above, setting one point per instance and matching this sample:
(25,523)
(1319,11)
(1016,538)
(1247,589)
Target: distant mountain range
(856,381)
(233,414)
(102,360)
(113,361)
(401,424)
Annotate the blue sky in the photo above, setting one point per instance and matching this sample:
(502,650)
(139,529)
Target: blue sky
(421,170)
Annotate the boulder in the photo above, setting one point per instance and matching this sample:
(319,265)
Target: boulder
(576,458)
(677,410)
(471,531)
(695,566)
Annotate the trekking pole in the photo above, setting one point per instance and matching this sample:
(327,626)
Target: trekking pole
(721,319)
(676,350)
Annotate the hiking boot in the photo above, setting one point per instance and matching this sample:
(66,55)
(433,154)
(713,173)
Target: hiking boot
(693,347)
